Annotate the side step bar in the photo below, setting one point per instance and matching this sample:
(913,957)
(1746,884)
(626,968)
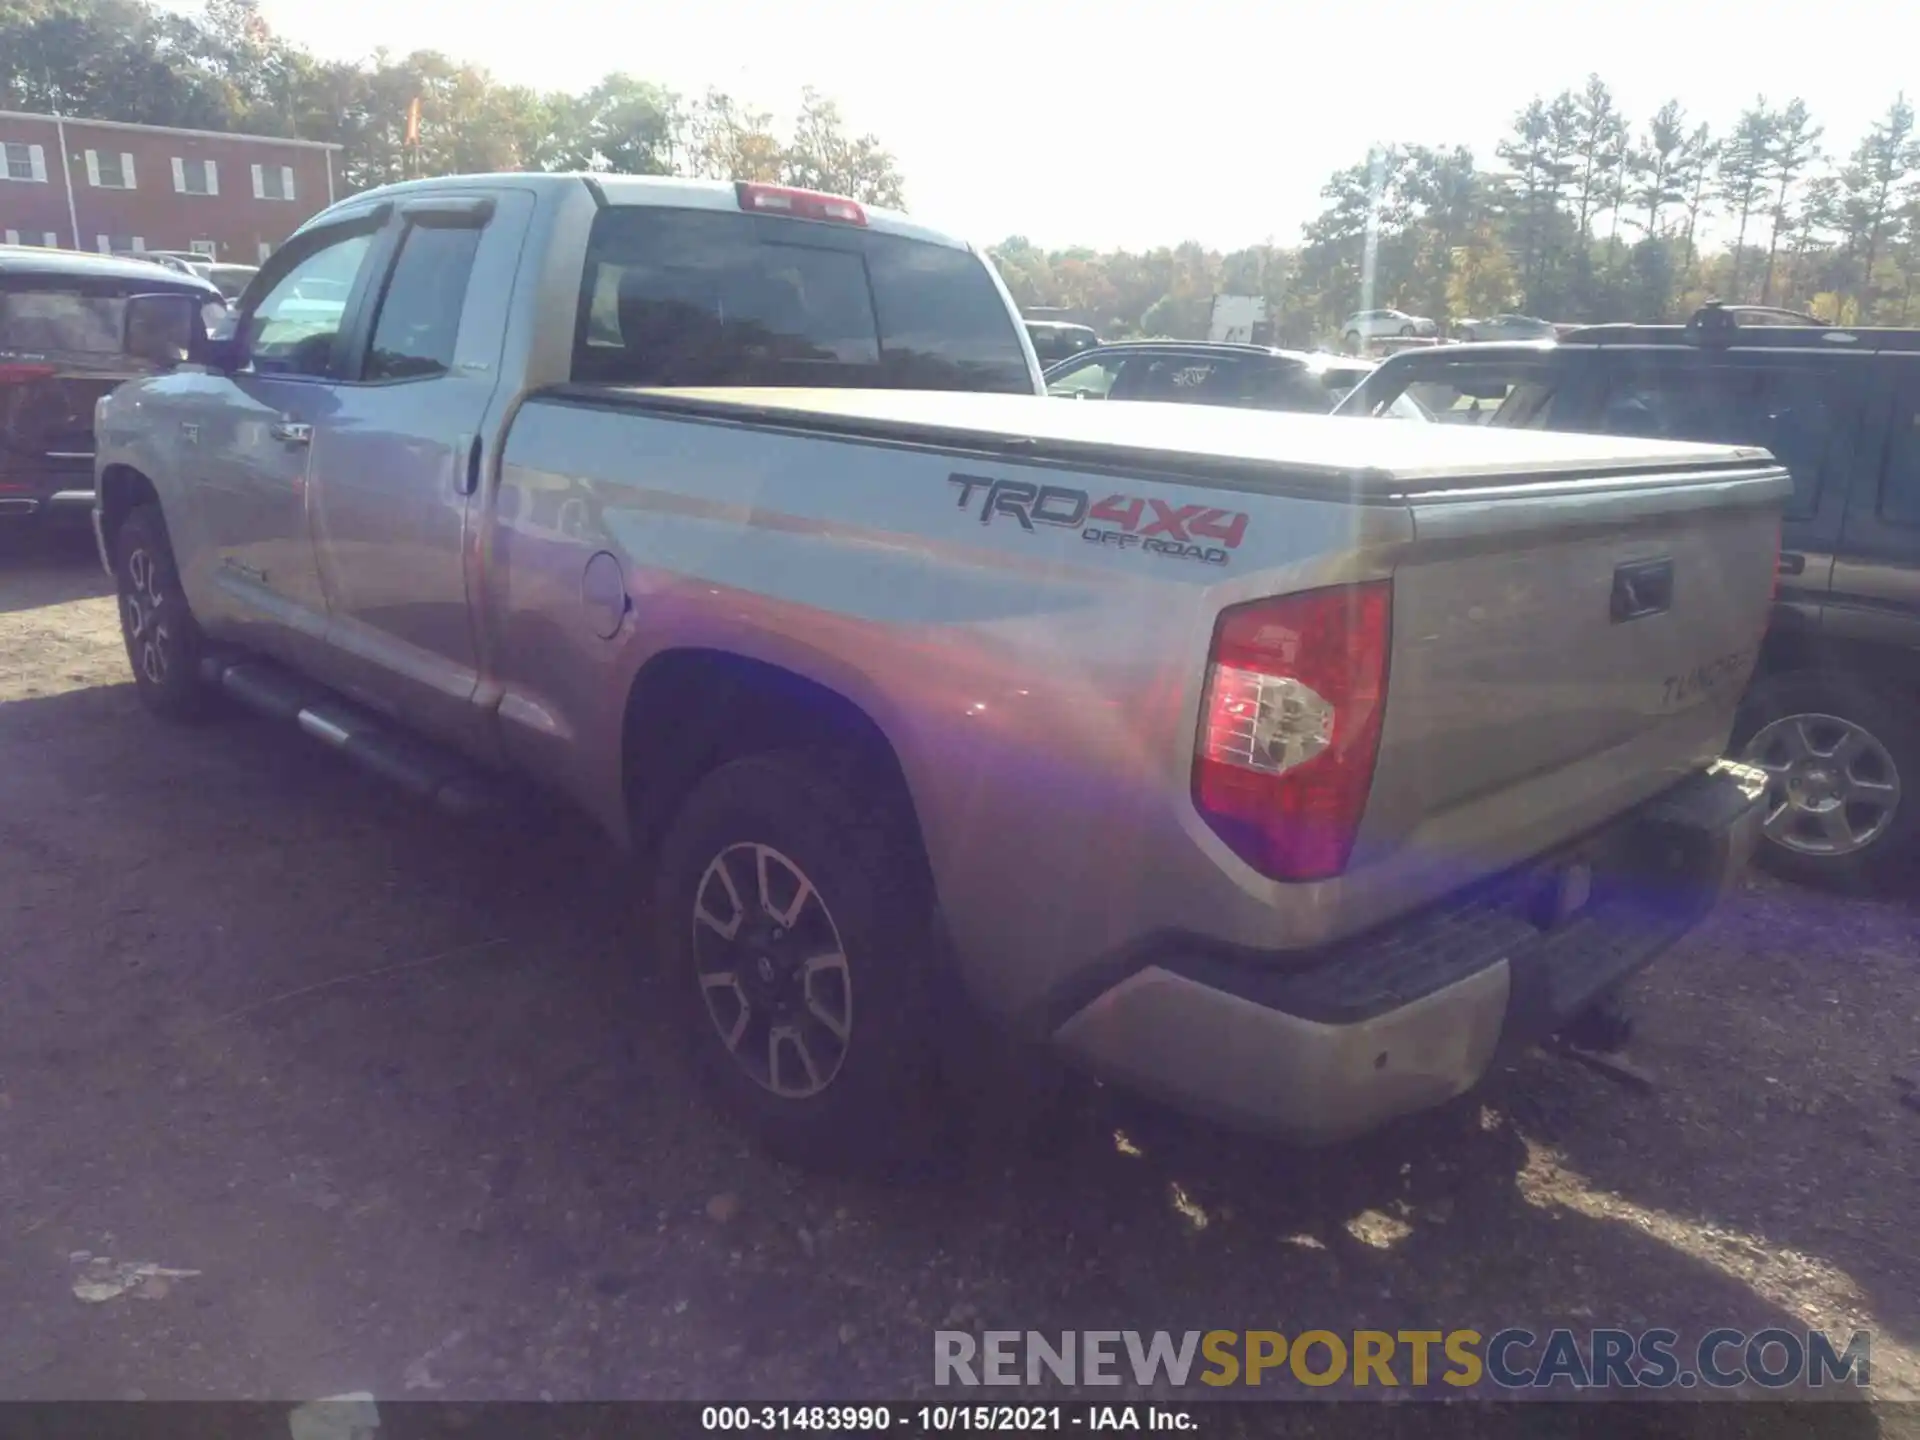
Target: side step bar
(445,779)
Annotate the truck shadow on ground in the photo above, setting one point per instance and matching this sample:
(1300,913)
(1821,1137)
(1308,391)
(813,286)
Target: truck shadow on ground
(402,1091)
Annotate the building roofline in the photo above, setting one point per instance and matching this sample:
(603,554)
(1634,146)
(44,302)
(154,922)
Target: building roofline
(168,130)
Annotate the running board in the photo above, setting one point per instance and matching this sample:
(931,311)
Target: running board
(440,776)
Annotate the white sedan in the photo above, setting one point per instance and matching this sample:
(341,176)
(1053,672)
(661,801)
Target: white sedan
(1364,325)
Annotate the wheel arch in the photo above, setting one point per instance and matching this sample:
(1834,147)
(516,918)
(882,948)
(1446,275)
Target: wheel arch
(690,710)
(122,488)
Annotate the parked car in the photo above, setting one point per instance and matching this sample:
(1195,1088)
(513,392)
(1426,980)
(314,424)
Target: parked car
(1504,327)
(1832,715)
(231,280)
(181,262)
(1198,372)
(63,344)
(1055,340)
(1249,759)
(1364,325)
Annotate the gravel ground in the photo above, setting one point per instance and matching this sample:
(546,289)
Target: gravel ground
(394,1095)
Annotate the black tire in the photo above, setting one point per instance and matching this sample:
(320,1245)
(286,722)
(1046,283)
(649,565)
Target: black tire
(879,1105)
(1352,341)
(1406,330)
(1828,697)
(164,643)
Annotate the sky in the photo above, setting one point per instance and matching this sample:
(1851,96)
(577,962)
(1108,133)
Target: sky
(1127,124)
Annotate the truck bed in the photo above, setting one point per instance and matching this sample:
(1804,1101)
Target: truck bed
(853,535)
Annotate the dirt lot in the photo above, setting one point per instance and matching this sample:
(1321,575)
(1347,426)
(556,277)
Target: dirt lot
(395,1092)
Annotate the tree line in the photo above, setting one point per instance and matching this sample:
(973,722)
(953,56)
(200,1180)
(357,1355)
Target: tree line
(1585,216)
(224,69)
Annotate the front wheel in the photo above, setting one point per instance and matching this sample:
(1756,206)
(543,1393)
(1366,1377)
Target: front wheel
(1842,763)
(795,934)
(1352,341)
(163,640)
(1406,330)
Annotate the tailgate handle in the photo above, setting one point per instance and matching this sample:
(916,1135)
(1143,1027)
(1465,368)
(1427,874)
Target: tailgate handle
(1644,587)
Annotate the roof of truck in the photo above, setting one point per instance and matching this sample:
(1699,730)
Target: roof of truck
(617,190)
(1376,459)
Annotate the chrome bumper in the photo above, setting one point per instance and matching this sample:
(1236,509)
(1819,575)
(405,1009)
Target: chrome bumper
(1413,1015)
(59,502)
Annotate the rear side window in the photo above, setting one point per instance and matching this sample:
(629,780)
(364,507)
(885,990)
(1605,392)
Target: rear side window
(420,313)
(1185,379)
(696,297)
(1282,386)
(1090,380)
(1788,411)
(44,321)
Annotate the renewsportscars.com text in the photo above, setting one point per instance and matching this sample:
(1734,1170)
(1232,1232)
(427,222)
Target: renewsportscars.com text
(1511,1359)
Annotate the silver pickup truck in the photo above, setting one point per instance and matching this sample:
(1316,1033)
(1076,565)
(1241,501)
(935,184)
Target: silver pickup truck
(1283,767)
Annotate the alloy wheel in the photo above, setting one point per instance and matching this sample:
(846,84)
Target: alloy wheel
(1833,789)
(772,970)
(143,613)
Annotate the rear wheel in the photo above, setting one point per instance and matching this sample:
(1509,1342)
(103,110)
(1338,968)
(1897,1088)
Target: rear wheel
(163,641)
(1843,763)
(794,928)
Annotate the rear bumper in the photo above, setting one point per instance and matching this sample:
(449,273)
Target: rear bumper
(1409,1016)
(65,492)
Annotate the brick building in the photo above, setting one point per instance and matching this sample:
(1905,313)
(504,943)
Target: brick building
(105,185)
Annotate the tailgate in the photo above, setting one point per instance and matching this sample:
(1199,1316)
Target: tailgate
(1562,652)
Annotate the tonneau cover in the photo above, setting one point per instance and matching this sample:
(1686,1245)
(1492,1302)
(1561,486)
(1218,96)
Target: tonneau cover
(1378,460)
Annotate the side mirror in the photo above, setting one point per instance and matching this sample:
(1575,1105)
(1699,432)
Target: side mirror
(163,330)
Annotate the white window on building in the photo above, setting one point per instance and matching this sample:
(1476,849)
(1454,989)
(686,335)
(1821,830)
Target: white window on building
(273,182)
(24,162)
(195,177)
(108,170)
(120,244)
(266,251)
(205,247)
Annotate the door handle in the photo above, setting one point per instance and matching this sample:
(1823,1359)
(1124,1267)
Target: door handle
(1792,563)
(291,431)
(470,477)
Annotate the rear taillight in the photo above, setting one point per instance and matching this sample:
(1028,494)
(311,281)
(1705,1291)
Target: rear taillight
(25,374)
(799,204)
(1290,726)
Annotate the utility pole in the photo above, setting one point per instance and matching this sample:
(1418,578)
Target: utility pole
(66,166)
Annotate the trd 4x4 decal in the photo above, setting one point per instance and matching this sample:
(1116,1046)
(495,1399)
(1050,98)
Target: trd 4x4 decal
(1184,532)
